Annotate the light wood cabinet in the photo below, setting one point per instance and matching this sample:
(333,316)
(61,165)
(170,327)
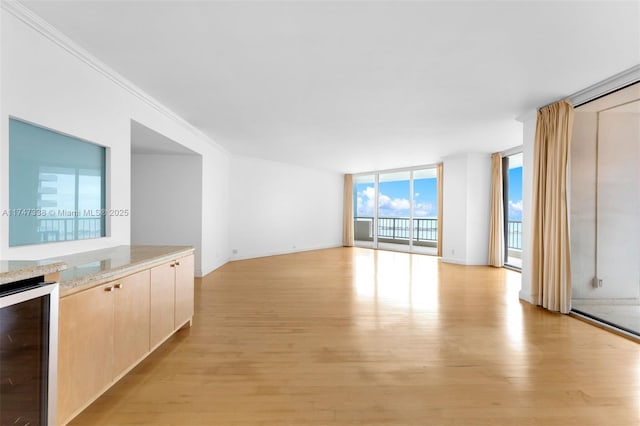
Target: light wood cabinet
(171,298)
(131,321)
(106,330)
(162,303)
(85,347)
(184,290)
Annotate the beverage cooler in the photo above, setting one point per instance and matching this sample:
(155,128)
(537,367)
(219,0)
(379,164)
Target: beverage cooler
(28,352)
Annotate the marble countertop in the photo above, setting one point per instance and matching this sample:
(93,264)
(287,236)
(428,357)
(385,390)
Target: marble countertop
(92,267)
(98,266)
(16,270)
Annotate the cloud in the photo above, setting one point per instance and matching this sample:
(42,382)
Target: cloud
(389,207)
(365,202)
(424,210)
(369,192)
(393,204)
(515,210)
(515,205)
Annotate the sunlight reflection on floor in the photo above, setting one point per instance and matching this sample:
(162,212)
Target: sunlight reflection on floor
(397,279)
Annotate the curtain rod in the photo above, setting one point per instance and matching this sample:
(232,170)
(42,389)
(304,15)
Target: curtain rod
(611,84)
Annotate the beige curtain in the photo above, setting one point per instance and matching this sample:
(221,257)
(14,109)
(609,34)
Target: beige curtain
(440,197)
(496,227)
(347,215)
(551,269)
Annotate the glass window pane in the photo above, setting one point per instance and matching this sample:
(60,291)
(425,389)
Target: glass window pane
(394,208)
(425,210)
(364,207)
(605,210)
(514,211)
(56,186)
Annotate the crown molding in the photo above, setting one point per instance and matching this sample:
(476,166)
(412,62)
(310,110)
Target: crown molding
(611,84)
(45,29)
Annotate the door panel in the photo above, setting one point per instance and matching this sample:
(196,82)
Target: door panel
(162,303)
(184,290)
(131,338)
(394,210)
(364,200)
(425,211)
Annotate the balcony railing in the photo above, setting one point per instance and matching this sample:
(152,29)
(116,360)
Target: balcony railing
(514,235)
(397,228)
(71,228)
(424,230)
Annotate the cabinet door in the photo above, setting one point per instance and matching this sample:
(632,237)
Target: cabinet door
(85,348)
(162,303)
(184,290)
(131,330)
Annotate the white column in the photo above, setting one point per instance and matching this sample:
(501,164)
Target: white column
(529,134)
(466,208)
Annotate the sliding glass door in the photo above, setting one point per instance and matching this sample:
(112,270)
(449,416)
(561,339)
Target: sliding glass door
(394,193)
(605,209)
(364,200)
(425,211)
(397,210)
(513,209)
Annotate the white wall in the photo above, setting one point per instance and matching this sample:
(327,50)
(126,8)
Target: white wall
(466,208)
(49,81)
(166,201)
(278,208)
(454,210)
(529,134)
(46,85)
(478,208)
(215,211)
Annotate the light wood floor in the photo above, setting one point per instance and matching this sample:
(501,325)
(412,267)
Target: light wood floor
(359,337)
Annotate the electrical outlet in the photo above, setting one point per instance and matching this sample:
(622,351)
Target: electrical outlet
(234,251)
(597,282)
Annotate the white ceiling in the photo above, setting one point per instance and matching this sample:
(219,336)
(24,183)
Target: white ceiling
(147,141)
(355,86)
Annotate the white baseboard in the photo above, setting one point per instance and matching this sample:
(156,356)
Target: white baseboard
(453,260)
(526,297)
(462,262)
(281,252)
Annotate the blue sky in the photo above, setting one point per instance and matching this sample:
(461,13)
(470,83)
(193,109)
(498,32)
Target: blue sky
(515,194)
(394,198)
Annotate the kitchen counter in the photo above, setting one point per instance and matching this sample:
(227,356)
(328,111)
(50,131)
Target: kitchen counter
(88,269)
(16,270)
(117,305)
